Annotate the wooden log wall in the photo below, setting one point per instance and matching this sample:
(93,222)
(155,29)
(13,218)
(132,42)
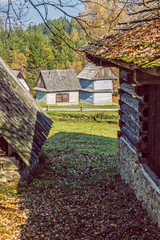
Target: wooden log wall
(134,113)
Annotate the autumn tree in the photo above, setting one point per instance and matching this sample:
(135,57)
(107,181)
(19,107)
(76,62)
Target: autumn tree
(19,61)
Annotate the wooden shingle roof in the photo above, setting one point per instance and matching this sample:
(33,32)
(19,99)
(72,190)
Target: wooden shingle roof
(134,43)
(23,123)
(58,80)
(90,72)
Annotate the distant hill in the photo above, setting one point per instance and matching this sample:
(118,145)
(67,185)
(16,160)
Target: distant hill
(67,24)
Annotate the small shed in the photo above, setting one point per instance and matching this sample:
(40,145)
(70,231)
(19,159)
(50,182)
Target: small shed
(134,48)
(96,84)
(57,87)
(18,74)
(24,127)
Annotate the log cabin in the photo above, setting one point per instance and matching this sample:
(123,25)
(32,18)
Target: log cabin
(97,84)
(57,87)
(134,48)
(23,128)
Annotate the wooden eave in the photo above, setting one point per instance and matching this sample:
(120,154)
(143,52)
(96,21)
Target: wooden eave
(122,64)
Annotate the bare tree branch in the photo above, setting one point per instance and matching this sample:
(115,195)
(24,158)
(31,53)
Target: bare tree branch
(17,10)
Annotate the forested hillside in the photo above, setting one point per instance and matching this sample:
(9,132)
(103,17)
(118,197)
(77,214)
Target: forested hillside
(38,48)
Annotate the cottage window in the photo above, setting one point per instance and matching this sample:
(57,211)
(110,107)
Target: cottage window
(62,97)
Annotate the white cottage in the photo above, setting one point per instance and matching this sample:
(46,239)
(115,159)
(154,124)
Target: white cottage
(57,87)
(17,73)
(96,84)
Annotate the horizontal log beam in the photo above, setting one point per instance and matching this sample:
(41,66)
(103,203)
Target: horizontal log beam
(140,129)
(123,137)
(131,136)
(139,92)
(145,78)
(129,88)
(127,120)
(143,113)
(135,103)
(134,115)
(141,153)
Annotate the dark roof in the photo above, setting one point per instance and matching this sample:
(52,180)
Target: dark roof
(90,72)
(23,123)
(135,41)
(58,80)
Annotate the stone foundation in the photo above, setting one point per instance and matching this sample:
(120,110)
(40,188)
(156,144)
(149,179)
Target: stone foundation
(9,169)
(143,181)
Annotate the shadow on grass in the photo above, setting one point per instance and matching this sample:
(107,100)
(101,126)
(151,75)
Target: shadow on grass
(73,163)
(77,193)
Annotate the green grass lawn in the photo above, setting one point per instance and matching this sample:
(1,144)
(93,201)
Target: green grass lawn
(109,106)
(109,116)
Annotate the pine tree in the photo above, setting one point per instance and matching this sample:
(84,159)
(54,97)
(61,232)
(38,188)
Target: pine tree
(39,57)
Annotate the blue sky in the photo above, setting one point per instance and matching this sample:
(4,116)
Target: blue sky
(33,16)
(53,13)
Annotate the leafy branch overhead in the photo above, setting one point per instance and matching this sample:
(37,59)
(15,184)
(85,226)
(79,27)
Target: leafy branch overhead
(89,15)
(135,40)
